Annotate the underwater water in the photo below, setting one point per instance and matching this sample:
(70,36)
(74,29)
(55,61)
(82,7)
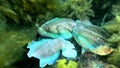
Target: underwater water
(59,34)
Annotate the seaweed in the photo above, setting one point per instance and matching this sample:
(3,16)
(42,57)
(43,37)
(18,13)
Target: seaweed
(26,12)
(115,57)
(77,9)
(113,28)
(12,43)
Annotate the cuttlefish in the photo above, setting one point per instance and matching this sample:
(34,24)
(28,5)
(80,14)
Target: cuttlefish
(57,27)
(48,50)
(91,38)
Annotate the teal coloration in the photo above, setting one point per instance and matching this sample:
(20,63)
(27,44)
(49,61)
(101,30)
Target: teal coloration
(83,50)
(82,41)
(87,27)
(38,49)
(63,34)
(50,60)
(48,50)
(68,50)
(34,45)
(70,53)
(57,28)
(89,36)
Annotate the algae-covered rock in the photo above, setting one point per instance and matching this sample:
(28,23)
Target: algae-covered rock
(115,41)
(61,63)
(115,57)
(113,27)
(77,9)
(115,38)
(26,12)
(90,60)
(2,22)
(12,43)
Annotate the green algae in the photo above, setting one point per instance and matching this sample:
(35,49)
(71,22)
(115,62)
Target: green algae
(113,28)
(113,25)
(27,12)
(61,63)
(115,57)
(77,9)
(12,43)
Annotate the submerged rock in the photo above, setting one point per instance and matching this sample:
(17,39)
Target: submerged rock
(90,60)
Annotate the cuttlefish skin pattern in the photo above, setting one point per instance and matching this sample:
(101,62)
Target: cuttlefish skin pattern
(48,50)
(91,38)
(57,27)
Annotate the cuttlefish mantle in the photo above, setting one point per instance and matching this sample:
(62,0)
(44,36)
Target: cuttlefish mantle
(91,38)
(57,28)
